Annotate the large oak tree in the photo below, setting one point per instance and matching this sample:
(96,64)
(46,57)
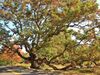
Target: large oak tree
(35,22)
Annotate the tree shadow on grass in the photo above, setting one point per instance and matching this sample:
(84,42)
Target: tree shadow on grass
(26,71)
(89,70)
(35,72)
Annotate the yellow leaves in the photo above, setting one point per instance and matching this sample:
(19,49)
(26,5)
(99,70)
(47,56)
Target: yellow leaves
(7,4)
(55,16)
(8,16)
(27,32)
(47,0)
(89,7)
(2,12)
(55,3)
(24,4)
(72,9)
(5,14)
(72,3)
(30,33)
(27,1)
(19,15)
(28,14)
(91,17)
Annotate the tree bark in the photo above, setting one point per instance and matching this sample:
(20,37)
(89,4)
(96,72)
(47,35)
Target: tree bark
(32,60)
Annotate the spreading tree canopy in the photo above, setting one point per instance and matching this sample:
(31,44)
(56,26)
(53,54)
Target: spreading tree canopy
(35,22)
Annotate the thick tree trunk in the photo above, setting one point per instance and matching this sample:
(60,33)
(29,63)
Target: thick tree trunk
(32,60)
(34,64)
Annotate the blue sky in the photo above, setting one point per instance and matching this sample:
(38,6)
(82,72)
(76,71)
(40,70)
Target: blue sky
(98,1)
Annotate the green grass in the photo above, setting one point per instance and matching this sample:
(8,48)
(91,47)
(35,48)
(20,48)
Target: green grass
(81,71)
(23,65)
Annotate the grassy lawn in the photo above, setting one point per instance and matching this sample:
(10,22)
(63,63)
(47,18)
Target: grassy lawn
(82,71)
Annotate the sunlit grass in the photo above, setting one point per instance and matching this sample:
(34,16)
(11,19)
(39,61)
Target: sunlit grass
(80,71)
(24,65)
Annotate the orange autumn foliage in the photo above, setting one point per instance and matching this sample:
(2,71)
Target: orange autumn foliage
(9,55)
